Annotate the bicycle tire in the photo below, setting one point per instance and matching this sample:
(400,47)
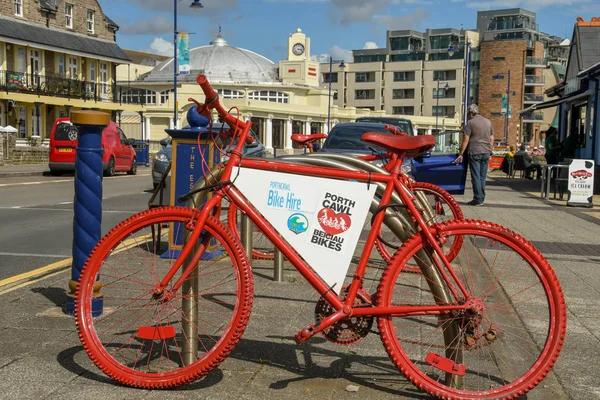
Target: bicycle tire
(444,207)
(262,248)
(140,339)
(522,308)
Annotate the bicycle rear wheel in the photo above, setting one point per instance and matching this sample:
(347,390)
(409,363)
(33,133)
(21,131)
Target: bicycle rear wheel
(262,248)
(151,339)
(442,208)
(504,344)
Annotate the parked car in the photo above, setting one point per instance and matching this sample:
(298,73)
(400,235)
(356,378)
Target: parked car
(119,155)
(436,167)
(404,124)
(162,158)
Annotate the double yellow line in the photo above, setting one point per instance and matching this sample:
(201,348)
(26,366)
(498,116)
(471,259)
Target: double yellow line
(8,285)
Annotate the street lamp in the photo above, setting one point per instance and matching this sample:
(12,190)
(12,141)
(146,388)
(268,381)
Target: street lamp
(342,66)
(437,104)
(196,5)
(466,97)
(508,93)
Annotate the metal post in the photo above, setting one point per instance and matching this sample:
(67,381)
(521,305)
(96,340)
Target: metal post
(437,106)
(329,101)
(468,88)
(246,236)
(507,109)
(87,207)
(175,66)
(278,266)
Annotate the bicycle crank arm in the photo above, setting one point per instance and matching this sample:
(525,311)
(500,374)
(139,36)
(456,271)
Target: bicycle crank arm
(312,329)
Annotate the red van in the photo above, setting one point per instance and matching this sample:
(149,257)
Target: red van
(118,151)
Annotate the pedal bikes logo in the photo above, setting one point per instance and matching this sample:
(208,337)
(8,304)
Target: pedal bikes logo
(297,223)
(333,223)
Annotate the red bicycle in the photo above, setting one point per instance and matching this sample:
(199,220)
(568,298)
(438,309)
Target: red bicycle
(488,324)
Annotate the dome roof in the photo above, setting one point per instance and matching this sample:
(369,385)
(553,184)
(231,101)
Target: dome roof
(220,63)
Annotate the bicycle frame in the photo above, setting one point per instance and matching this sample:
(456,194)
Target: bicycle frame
(345,309)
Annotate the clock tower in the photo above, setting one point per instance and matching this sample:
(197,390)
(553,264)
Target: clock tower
(298,68)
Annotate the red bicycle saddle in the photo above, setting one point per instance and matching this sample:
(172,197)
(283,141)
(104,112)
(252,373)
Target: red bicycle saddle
(411,146)
(304,139)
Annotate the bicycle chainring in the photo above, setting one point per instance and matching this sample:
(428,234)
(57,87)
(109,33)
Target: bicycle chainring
(347,331)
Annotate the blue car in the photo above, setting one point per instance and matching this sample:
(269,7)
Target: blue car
(436,167)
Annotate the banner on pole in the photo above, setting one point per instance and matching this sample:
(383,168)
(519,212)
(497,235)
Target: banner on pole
(183,53)
(503,110)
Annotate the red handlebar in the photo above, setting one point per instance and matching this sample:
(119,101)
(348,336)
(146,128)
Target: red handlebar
(212,101)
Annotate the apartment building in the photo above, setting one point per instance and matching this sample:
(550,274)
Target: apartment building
(57,56)
(514,57)
(414,75)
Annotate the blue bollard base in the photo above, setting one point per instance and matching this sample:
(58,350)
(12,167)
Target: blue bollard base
(97,306)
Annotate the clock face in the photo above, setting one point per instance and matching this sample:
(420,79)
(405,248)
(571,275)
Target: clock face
(298,49)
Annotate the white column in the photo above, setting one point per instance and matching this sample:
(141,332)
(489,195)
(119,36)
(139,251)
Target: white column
(288,134)
(171,125)
(269,134)
(307,128)
(325,127)
(147,129)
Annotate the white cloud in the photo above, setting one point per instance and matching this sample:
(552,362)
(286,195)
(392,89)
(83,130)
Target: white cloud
(407,21)
(336,52)
(370,45)
(161,46)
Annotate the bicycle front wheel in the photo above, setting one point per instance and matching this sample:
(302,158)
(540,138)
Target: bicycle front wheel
(508,339)
(150,338)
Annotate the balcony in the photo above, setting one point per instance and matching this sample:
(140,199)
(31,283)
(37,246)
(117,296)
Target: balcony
(533,62)
(532,98)
(61,86)
(534,80)
(533,117)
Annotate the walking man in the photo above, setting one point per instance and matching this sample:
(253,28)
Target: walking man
(479,137)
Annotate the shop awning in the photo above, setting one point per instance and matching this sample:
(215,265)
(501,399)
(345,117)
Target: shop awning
(555,102)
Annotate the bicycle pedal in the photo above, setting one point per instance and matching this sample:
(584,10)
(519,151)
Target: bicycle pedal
(304,334)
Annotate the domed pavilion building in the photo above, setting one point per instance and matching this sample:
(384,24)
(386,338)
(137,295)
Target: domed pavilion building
(279,99)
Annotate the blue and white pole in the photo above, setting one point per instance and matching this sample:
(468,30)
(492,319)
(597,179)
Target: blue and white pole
(87,207)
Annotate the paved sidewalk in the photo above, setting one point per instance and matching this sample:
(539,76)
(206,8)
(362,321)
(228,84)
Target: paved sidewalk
(42,358)
(24,170)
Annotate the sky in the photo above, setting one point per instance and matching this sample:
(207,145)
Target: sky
(335,27)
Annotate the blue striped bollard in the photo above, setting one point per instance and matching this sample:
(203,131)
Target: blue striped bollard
(87,207)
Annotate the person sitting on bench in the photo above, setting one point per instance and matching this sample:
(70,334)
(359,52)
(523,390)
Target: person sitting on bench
(530,166)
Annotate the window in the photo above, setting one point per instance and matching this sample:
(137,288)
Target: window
(498,58)
(498,77)
(69,15)
(73,67)
(372,58)
(34,122)
(334,77)
(445,111)
(19,8)
(90,21)
(496,95)
(230,94)
(164,96)
(150,97)
(364,77)
(404,76)
(399,43)
(92,71)
(403,110)
(21,60)
(444,75)
(364,94)
(104,79)
(61,65)
(269,95)
(440,42)
(408,57)
(442,93)
(403,94)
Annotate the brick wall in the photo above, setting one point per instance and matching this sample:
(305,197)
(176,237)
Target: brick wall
(32,13)
(49,62)
(513,52)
